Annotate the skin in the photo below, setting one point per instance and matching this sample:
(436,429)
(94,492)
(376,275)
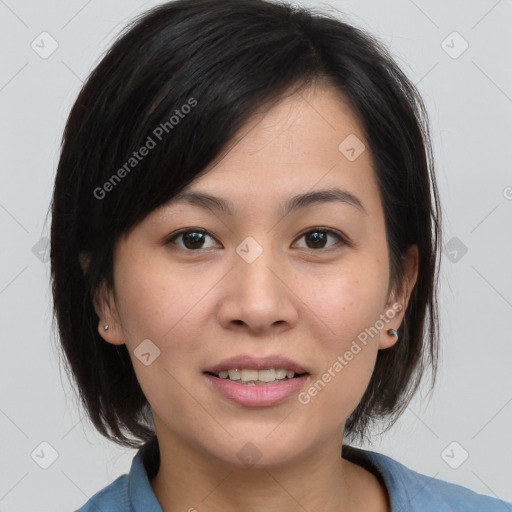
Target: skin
(200,306)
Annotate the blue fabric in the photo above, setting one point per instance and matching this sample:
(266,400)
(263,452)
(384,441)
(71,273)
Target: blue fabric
(409,491)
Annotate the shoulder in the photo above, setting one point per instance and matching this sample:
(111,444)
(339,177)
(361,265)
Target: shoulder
(113,498)
(413,491)
(426,490)
(130,492)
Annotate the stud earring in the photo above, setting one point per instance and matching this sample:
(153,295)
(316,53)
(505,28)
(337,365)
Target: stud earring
(393,332)
(105,327)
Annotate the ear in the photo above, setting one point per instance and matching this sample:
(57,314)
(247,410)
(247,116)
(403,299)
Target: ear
(399,298)
(105,307)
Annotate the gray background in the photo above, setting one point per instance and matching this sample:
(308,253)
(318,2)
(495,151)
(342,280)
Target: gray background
(469,101)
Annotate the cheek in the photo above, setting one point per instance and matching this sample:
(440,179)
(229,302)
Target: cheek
(157,304)
(346,300)
(155,300)
(168,308)
(346,314)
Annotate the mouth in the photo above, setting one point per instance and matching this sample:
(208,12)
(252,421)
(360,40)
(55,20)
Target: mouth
(250,370)
(254,377)
(256,382)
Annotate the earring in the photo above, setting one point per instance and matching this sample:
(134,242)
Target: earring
(105,327)
(393,332)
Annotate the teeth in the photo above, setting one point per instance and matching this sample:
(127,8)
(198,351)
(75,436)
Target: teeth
(251,375)
(247,375)
(281,374)
(266,375)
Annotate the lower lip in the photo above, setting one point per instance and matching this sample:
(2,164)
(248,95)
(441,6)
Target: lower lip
(258,395)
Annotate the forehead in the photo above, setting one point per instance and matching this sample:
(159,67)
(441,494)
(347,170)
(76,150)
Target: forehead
(296,146)
(307,122)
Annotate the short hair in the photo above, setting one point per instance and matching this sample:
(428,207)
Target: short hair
(218,63)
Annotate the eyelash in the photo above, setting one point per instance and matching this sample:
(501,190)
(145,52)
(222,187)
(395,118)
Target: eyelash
(171,240)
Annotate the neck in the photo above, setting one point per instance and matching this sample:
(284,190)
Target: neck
(189,479)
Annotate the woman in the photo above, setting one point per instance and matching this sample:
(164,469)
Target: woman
(245,246)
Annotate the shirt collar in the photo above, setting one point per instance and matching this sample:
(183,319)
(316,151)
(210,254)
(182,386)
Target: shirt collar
(381,466)
(144,465)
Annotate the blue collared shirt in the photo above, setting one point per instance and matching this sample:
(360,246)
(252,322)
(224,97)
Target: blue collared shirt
(409,491)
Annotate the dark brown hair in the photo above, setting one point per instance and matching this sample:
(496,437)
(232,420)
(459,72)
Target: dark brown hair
(225,60)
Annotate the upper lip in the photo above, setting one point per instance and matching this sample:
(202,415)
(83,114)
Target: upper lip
(256,363)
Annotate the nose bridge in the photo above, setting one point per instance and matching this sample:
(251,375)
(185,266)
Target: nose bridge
(255,259)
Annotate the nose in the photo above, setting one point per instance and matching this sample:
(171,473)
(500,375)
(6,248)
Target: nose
(258,296)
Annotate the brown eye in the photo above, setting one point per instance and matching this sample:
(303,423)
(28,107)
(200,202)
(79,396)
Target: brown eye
(191,239)
(317,238)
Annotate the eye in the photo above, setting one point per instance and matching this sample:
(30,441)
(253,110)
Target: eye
(192,238)
(318,236)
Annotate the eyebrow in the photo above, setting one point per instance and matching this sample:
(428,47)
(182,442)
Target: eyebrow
(214,203)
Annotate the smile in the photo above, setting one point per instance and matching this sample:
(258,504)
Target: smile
(250,376)
(253,388)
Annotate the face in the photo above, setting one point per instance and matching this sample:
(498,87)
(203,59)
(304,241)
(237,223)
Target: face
(263,286)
